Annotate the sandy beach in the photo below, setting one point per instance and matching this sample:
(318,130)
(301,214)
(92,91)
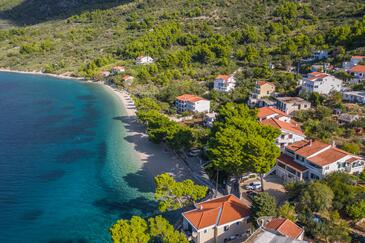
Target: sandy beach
(155,158)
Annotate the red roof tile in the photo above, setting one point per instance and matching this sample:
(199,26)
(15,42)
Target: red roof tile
(285,227)
(328,156)
(290,127)
(268,111)
(224,77)
(358,57)
(358,69)
(217,211)
(260,83)
(289,161)
(306,148)
(189,98)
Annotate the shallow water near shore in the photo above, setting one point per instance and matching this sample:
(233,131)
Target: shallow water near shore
(64,162)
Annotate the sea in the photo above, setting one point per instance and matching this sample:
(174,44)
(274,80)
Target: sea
(67,171)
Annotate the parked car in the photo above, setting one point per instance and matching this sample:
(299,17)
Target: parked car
(253,186)
(247,176)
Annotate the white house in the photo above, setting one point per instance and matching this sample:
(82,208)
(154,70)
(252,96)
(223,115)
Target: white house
(358,73)
(144,60)
(306,160)
(292,104)
(356,60)
(290,129)
(192,103)
(224,83)
(354,96)
(321,83)
(218,220)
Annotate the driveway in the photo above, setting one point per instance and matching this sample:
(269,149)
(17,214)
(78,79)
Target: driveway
(273,185)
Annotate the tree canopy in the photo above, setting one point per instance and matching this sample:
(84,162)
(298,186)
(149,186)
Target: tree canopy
(173,195)
(137,229)
(239,143)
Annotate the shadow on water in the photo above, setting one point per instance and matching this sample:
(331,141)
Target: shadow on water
(75,155)
(30,12)
(32,214)
(51,176)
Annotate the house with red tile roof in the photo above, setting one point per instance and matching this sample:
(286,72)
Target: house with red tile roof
(224,83)
(274,230)
(290,129)
(285,227)
(358,73)
(217,220)
(321,83)
(192,103)
(259,96)
(118,70)
(306,160)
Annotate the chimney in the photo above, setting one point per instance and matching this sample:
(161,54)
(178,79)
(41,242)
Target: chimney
(333,144)
(310,142)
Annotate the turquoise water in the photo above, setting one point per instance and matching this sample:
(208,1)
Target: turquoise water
(64,162)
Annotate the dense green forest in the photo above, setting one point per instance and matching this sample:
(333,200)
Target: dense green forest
(191,41)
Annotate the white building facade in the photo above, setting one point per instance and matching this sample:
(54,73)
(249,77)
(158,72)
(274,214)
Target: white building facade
(224,83)
(321,83)
(354,96)
(192,103)
(306,160)
(144,60)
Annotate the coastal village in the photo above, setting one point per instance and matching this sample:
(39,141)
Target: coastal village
(245,119)
(226,215)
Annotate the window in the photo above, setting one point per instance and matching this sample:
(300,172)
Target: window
(237,223)
(226,228)
(205,231)
(326,168)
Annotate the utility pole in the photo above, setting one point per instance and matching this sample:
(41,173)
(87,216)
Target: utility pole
(216,185)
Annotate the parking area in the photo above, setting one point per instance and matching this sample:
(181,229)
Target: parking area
(273,185)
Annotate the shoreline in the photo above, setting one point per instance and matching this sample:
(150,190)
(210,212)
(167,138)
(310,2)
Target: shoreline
(60,76)
(155,158)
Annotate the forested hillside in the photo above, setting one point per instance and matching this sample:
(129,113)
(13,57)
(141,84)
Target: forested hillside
(192,41)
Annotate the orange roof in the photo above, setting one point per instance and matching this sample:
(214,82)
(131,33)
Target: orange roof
(283,125)
(217,211)
(126,77)
(314,75)
(268,111)
(358,69)
(289,161)
(189,98)
(224,77)
(285,227)
(328,156)
(306,148)
(358,57)
(260,83)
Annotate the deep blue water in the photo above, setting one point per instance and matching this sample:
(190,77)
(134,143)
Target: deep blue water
(63,161)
